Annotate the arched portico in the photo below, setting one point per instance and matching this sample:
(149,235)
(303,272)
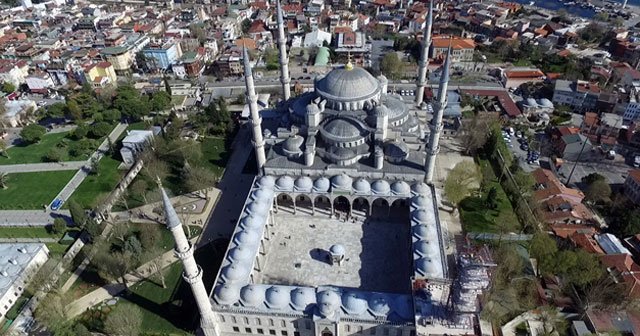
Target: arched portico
(361,207)
(285,202)
(399,210)
(322,204)
(304,204)
(380,208)
(341,206)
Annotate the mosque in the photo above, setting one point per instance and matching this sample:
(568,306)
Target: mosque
(340,234)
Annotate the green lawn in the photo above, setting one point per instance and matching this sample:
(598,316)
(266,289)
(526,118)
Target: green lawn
(32,190)
(214,155)
(95,188)
(35,153)
(475,215)
(26,232)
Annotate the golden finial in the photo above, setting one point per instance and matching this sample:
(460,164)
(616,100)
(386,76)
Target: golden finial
(349,65)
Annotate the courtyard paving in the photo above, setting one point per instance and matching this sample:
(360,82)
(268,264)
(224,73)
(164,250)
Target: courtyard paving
(377,254)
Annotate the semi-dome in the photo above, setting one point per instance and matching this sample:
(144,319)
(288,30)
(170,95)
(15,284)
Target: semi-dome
(421,216)
(235,272)
(400,188)
(354,303)
(240,253)
(396,150)
(378,304)
(420,188)
(303,183)
(361,186)
(246,237)
(302,297)
(343,130)
(348,84)
(284,183)
(266,181)
(381,111)
(277,297)
(321,184)
(252,295)
(427,248)
(227,294)
(341,153)
(337,249)
(420,202)
(293,145)
(328,302)
(380,187)
(252,221)
(428,267)
(342,181)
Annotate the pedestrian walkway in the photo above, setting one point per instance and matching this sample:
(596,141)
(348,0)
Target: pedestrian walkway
(29,240)
(84,171)
(111,290)
(31,217)
(41,167)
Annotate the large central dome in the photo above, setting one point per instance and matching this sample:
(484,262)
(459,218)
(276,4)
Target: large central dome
(348,84)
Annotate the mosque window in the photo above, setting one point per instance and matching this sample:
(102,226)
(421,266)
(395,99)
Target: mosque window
(284,333)
(260,331)
(236,329)
(272,332)
(222,318)
(258,321)
(271,322)
(248,330)
(246,320)
(283,323)
(233,320)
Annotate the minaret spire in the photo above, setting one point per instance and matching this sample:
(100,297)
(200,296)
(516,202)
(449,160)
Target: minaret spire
(436,122)
(285,80)
(192,273)
(252,98)
(424,57)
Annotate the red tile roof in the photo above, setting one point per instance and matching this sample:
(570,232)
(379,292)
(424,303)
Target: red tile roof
(634,174)
(503,97)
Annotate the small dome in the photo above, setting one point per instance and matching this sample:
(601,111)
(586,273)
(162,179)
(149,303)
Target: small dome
(252,295)
(258,207)
(266,181)
(235,272)
(264,194)
(420,188)
(246,237)
(303,183)
(420,202)
(252,221)
(403,306)
(240,253)
(361,186)
(302,297)
(427,248)
(380,187)
(378,304)
(343,130)
(342,181)
(227,294)
(381,111)
(284,183)
(544,102)
(422,216)
(354,303)
(293,144)
(277,297)
(328,302)
(532,102)
(400,188)
(337,249)
(428,267)
(396,149)
(428,232)
(321,184)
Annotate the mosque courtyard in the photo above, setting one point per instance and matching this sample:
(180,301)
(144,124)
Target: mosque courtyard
(377,252)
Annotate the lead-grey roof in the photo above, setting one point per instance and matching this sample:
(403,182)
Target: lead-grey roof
(354,303)
(344,84)
(342,181)
(240,254)
(302,298)
(321,184)
(429,267)
(303,183)
(277,298)
(400,188)
(252,221)
(227,294)
(252,295)
(284,183)
(361,186)
(427,248)
(380,187)
(343,129)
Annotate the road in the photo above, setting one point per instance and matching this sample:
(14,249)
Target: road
(40,167)
(31,217)
(82,173)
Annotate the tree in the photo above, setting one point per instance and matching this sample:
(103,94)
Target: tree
(598,191)
(32,133)
(153,167)
(543,248)
(4,148)
(198,178)
(120,232)
(160,101)
(74,110)
(111,115)
(56,110)
(592,178)
(138,188)
(157,264)
(100,129)
(82,147)
(461,180)
(8,87)
(81,131)
(149,236)
(391,66)
(94,166)
(59,225)
(4,179)
(492,198)
(51,312)
(54,154)
(476,132)
(133,246)
(124,320)
(246,24)
(78,214)
(113,265)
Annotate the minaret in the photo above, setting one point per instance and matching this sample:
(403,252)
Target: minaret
(192,273)
(424,57)
(436,122)
(252,98)
(285,80)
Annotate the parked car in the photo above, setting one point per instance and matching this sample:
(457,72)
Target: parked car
(56,204)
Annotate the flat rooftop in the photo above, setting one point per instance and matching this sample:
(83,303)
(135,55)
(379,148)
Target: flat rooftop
(377,254)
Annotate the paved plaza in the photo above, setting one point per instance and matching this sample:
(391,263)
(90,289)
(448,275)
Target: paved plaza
(377,254)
